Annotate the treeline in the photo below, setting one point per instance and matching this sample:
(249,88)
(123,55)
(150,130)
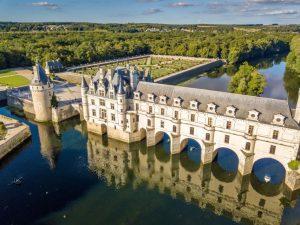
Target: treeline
(293,58)
(236,46)
(139,27)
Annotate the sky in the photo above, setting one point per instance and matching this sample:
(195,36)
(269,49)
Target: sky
(153,11)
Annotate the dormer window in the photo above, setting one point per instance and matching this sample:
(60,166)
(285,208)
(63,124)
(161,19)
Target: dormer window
(163,99)
(230,111)
(151,97)
(279,119)
(253,115)
(177,102)
(194,104)
(211,107)
(137,95)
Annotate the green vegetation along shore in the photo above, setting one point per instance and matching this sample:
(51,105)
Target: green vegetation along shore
(293,59)
(235,44)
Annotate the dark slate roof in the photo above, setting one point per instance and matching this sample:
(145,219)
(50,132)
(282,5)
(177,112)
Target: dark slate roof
(40,76)
(84,83)
(121,90)
(244,103)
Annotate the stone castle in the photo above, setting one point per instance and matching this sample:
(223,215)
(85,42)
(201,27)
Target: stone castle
(126,105)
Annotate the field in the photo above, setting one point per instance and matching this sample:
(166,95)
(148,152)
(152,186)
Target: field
(12,79)
(159,66)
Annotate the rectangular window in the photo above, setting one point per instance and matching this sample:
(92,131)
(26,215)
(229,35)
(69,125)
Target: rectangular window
(192,130)
(101,93)
(162,111)
(93,101)
(275,134)
(228,125)
(193,117)
(209,121)
(137,118)
(250,130)
(111,94)
(94,112)
(174,128)
(137,107)
(262,202)
(102,102)
(226,140)
(207,136)
(149,123)
(162,124)
(113,117)
(102,113)
(176,115)
(150,109)
(112,106)
(272,149)
(247,146)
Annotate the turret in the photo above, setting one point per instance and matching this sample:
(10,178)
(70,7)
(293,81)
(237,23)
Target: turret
(84,90)
(41,89)
(121,101)
(134,78)
(297,112)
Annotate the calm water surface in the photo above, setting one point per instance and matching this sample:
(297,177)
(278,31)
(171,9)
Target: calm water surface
(281,83)
(73,177)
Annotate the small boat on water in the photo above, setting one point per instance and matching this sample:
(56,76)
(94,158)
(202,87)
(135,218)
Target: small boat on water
(191,149)
(267,178)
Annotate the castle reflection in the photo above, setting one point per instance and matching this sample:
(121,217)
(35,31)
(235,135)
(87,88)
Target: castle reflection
(243,199)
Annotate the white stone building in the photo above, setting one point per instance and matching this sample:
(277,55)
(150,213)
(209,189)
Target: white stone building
(128,109)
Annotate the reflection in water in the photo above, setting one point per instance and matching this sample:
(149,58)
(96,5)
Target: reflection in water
(121,164)
(281,82)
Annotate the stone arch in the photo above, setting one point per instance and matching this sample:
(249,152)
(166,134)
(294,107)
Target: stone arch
(190,155)
(269,170)
(163,143)
(225,164)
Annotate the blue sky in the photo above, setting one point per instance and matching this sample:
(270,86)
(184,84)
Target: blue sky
(153,11)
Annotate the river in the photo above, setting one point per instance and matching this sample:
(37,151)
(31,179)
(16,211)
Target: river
(73,177)
(281,83)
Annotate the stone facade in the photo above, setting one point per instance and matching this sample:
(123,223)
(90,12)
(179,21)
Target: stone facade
(252,127)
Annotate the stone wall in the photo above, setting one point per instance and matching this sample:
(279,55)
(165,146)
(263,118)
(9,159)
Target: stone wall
(17,134)
(64,112)
(20,104)
(3,94)
(180,76)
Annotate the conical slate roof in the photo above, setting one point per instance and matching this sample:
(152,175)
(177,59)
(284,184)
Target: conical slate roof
(84,83)
(121,90)
(40,76)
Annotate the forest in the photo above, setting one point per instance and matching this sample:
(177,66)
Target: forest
(293,58)
(22,44)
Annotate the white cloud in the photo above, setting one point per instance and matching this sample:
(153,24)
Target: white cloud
(47,5)
(181,4)
(279,12)
(152,11)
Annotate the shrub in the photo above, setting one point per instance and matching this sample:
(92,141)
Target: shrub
(294,164)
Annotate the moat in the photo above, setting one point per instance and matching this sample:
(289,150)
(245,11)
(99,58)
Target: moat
(69,176)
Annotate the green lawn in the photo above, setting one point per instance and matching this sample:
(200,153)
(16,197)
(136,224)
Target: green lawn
(12,79)
(159,66)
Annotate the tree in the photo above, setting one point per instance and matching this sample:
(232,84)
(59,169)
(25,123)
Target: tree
(3,130)
(54,102)
(247,81)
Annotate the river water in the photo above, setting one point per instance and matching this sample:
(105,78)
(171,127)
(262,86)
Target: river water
(281,83)
(73,177)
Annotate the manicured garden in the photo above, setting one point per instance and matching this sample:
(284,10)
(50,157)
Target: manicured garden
(12,79)
(159,66)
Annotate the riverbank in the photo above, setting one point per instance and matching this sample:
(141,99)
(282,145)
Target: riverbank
(17,133)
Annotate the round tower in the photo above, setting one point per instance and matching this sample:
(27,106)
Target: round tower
(84,90)
(121,101)
(41,91)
